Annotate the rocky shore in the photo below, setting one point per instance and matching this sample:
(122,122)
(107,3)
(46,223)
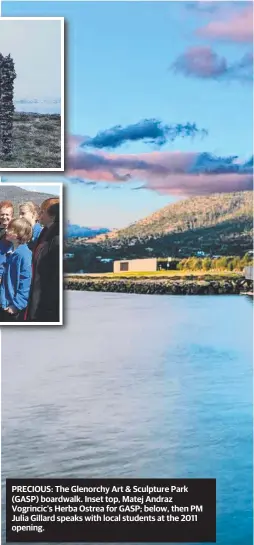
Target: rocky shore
(161,286)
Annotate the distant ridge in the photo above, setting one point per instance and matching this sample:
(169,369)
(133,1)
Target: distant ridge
(221,223)
(37,101)
(73,231)
(17,196)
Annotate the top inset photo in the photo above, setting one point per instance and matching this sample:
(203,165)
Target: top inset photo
(31,94)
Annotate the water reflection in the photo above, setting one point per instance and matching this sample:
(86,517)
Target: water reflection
(136,386)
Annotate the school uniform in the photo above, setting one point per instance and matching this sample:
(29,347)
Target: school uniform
(16,282)
(5,246)
(37,228)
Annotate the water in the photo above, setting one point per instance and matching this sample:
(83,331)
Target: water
(38,108)
(136,386)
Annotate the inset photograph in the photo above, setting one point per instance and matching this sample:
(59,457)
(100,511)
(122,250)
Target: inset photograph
(31,252)
(31,94)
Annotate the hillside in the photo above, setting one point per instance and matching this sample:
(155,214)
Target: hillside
(219,224)
(17,195)
(191,214)
(36,142)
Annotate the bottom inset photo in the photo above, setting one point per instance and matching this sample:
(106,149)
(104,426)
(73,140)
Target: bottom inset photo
(31,250)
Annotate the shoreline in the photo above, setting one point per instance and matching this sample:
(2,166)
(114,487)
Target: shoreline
(18,114)
(159,286)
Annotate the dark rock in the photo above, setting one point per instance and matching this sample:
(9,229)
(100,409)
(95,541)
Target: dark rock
(172,287)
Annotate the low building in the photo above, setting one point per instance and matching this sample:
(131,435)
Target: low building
(136,265)
(151,264)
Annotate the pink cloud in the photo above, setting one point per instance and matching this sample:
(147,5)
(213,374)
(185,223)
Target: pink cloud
(175,173)
(238,27)
(203,62)
(201,184)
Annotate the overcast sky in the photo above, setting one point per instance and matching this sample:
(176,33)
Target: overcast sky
(36,50)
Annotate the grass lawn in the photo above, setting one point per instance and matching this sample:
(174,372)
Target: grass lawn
(37,142)
(163,274)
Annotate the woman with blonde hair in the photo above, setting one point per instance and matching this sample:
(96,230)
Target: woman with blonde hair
(29,211)
(44,297)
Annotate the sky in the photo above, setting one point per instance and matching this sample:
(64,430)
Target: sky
(158,103)
(35,47)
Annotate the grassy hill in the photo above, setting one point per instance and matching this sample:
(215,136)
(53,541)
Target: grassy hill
(37,142)
(219,224)
(192,214)
(17,196)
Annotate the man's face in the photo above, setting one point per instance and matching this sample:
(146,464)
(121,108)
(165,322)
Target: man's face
(6,215)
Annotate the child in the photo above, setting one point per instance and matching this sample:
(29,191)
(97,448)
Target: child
(16,279)
(6,215)
(29,211)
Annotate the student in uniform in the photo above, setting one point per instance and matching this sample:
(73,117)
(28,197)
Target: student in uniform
(29,211)
(6,215)
(17,272)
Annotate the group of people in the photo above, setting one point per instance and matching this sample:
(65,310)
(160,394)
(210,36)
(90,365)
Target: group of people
(29,262)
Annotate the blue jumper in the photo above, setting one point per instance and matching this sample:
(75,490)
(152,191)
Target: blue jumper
(37,228)
(16,279)
(5,246)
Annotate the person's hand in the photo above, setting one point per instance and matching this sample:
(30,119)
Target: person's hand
(11,310)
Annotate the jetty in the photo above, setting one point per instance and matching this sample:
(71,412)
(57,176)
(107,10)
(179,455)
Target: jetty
(160,285)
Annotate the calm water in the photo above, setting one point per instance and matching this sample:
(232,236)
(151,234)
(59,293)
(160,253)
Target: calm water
(136,386)
(38,108)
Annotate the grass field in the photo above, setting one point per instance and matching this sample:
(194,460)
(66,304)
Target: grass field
(160,274)
(37,142)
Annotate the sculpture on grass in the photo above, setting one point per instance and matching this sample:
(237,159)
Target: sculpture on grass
(7,77)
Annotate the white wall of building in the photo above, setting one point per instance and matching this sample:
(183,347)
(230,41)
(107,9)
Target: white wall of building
(136,265)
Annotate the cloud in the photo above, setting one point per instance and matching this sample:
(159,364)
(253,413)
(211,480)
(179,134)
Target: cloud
(202,6)
(204,63)
(176,173)
(224,8)
(236,27)
(80,181)
(202,184)
(150,130)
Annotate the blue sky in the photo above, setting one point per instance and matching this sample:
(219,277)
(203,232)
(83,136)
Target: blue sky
(118,73)
(36,49)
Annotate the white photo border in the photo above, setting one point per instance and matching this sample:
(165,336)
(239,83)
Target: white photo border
(62,98)
(61,236)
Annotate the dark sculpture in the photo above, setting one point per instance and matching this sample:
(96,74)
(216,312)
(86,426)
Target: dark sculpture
(7,77)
